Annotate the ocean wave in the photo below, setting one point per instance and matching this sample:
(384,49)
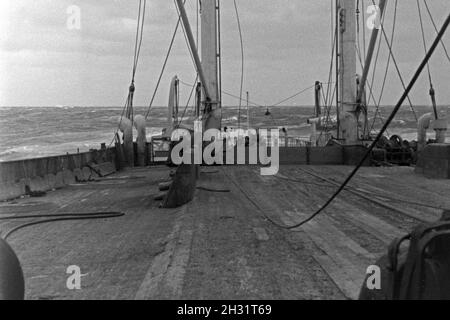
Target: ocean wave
(21,149)
(230,119)
(40,131)
(398,122)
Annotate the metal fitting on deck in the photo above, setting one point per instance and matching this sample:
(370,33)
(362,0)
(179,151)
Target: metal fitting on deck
(440,126)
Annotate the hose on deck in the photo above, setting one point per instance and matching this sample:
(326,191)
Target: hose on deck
(58,217)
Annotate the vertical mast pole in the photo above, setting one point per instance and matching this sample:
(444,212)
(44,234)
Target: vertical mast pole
(209,39)
(348,126)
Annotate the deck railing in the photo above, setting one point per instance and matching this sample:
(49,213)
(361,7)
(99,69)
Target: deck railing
(159,147)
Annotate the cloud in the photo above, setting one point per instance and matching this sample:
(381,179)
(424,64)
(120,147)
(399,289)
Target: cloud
(287,48)
(107,28)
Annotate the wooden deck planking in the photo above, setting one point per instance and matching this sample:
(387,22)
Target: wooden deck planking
(108,250)
(219,245)
(342,258)
(399,182)
(237,264)
(358,215)
(326,236)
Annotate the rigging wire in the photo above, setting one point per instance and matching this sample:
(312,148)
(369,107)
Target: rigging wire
(163,69)
(139,36)
(364,30)
(254,103)
(424,41)
(431,91)
(328,118)
(358,33)
(391,53)
(293,96)
(187,41)
(377,113)
(242,62)
(435,28)
(187,103)
(363,193)
(380,134)
(330,93)
(330,75)
(137,51)
(332,40)
(231,95)
(246,100)
(331,183)
(371,95)
(326,128)
(394,24)
(197,21)
(338,66)
(219,52)
(290,98)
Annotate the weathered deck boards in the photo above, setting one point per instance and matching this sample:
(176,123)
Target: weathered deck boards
(220,246)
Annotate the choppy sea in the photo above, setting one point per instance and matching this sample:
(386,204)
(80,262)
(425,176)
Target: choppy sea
(27,132)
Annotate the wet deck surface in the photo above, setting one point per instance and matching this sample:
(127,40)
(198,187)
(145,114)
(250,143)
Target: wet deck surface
(221,245)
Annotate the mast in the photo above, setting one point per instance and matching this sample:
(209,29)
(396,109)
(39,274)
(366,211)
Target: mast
(210,55)
(348,124)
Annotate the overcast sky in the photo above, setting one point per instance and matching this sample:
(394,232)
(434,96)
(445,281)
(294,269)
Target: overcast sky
(287,48)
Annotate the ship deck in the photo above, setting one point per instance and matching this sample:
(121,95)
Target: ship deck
(221,245)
